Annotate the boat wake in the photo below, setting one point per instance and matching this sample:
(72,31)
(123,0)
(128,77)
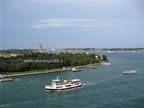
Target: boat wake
(98,82)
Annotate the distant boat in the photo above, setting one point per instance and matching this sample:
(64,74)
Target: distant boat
(106,64)
(109,51)
(92,67)
(4,79)
(76,69)
(58,85)
(128,72)
(53,49)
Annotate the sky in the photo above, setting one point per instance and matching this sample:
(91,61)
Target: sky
(71,24)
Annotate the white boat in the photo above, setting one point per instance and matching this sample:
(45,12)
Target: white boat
(58,85)
(4,79)
(106,64)
(109,51)
(127,72)
(76,69)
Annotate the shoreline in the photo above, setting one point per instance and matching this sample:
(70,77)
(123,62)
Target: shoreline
(50,71)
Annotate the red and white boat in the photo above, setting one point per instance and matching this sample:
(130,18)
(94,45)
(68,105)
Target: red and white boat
(58,84)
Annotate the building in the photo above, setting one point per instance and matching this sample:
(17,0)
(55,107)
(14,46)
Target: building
(10,55)
(40,48)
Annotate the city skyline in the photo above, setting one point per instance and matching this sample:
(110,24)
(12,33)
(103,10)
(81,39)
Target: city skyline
(72,24)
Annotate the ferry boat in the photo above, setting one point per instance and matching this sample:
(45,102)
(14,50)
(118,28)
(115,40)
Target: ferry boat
(128,72)
(58,85)
(76,69)
(4,79)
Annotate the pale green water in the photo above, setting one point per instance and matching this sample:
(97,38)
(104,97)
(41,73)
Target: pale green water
(104,87)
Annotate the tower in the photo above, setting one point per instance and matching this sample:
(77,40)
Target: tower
(40,48)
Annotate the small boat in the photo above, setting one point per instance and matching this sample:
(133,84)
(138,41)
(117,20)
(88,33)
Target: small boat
(4,79)
(106,64)
(128,72)
(76,69)
(58,85)
(92,67)
(53,49)
(109,51)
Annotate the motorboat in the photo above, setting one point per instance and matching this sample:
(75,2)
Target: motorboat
(92,67)
(4,79)
(58,85)
(106,64)
(76,69)
(128,72)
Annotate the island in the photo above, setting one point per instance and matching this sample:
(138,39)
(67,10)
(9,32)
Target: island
(34,63)
(107,49)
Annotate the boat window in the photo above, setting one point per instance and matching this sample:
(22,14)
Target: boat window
(76,83)
(68,85)
(59,87)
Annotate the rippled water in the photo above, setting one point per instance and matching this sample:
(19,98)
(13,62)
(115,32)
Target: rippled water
(104,87)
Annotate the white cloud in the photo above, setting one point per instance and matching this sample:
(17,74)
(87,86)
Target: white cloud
(85,24)
(44,25)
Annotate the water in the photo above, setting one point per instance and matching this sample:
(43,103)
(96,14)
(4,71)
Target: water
(104,87)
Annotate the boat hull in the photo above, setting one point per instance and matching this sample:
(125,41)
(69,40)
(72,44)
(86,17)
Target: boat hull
(76,70)
(66,88)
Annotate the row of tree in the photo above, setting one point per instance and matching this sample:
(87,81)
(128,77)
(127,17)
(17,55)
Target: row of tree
(18,64)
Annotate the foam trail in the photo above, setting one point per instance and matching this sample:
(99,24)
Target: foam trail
(102,81)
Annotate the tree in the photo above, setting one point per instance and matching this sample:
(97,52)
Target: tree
(17,64)
(104,58)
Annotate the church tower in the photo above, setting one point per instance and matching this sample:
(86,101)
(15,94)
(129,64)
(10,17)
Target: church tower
(40,48)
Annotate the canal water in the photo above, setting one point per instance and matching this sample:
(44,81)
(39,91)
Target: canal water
(103,87)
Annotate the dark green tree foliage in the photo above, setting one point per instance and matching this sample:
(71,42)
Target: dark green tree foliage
(17,64)
(104,58)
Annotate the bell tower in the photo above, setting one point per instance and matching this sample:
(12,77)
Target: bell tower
(40,48)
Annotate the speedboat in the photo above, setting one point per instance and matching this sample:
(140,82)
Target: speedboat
(106,64)
(4,79)
(92,67)
(76,69)
(58,85)
(127,72)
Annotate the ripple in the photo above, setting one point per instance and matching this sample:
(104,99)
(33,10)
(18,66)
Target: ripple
(19,103)
(17,79)
(102,81)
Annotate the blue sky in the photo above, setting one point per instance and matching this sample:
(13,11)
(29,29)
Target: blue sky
(72,23)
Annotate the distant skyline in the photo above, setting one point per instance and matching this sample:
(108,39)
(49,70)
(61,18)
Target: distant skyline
(71,24)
